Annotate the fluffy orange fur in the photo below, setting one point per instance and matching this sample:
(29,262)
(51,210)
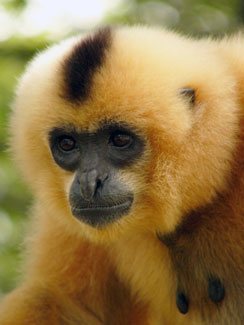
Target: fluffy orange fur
(123,274)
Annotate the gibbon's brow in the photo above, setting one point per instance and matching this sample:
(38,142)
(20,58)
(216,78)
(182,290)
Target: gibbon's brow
(85,59)
(103,127)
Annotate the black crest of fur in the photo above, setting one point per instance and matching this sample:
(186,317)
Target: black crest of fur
(79,67)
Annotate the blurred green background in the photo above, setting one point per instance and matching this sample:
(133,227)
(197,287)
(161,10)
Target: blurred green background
(27,26)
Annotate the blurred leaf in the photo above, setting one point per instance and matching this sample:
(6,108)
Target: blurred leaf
(15,5)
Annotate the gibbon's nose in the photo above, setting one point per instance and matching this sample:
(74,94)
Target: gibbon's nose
(89,184)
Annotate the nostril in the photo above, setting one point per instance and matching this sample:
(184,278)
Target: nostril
(91,183)
(100,182)
(98,186)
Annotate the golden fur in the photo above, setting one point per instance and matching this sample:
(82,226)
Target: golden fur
(124,274)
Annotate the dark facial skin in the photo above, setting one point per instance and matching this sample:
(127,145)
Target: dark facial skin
(97,196)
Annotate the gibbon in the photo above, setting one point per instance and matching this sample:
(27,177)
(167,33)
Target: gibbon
(131,139)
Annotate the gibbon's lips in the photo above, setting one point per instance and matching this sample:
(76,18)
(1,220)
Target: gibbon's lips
(99,216)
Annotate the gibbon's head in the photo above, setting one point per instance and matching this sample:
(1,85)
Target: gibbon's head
(125,130)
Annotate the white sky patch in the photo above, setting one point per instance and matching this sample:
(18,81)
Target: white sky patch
(7,25)
(56,17)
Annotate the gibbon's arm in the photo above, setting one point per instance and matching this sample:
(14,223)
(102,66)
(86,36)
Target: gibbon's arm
(69,281)
(31,305)
(36,303)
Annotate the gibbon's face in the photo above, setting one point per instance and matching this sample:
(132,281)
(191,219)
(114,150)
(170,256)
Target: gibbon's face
(97,195)
(125,130)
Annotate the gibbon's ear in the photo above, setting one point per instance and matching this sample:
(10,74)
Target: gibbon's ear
(189,93)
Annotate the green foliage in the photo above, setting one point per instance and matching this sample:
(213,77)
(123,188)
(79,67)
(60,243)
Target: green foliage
(14,5)
(194,17)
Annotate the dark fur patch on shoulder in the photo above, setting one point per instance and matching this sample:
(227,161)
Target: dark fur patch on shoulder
(190,223)
(182,303)
(79,67)
(216,290)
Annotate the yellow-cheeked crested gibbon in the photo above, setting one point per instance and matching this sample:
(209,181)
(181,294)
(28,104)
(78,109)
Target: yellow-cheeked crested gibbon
(132,141)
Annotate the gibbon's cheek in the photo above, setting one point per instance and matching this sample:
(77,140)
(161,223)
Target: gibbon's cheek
(68,180)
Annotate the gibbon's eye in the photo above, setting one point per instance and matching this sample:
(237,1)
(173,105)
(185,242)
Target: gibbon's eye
(121,140)
(66,143)
(65,148)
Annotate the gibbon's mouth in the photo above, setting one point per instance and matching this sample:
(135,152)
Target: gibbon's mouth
(100,216)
